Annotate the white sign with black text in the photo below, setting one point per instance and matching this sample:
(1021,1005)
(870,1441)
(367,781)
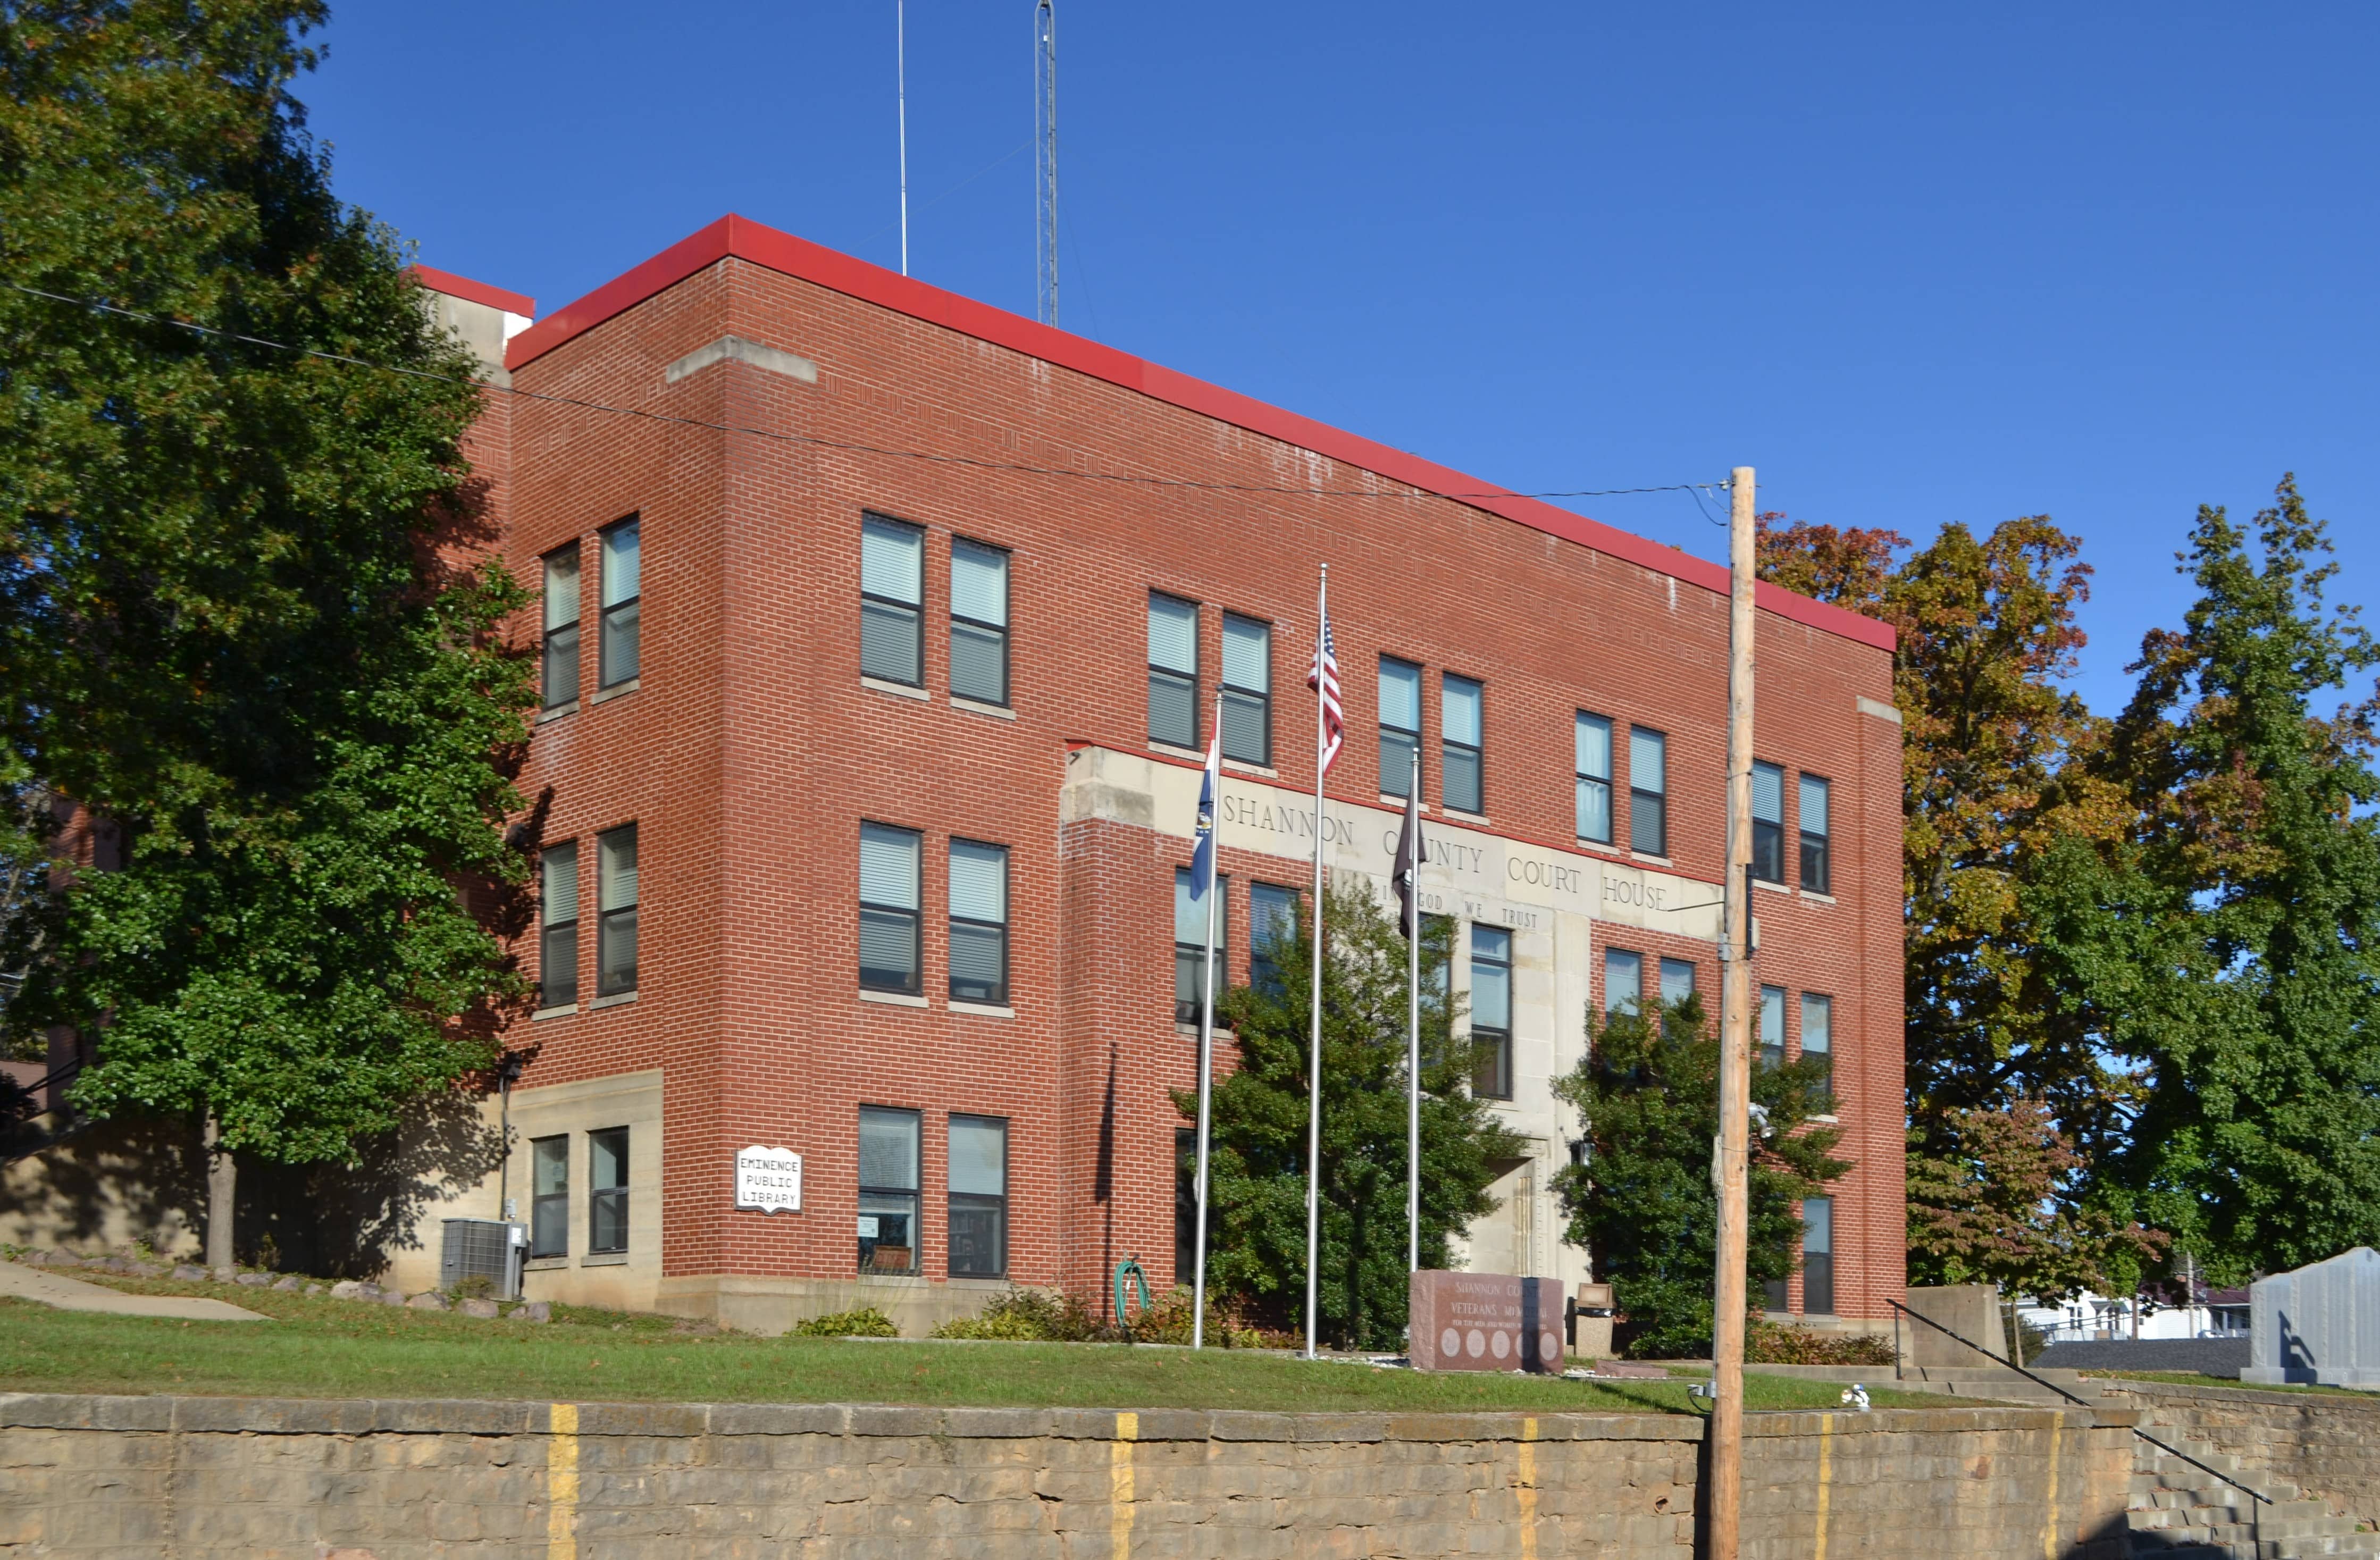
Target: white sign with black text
(768,1179)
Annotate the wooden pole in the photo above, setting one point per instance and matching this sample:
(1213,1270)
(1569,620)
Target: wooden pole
(1729,1162)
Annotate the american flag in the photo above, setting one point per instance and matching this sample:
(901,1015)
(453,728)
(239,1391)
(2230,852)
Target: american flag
(1324,679)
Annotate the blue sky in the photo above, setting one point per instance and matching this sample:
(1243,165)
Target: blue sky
(1916,264)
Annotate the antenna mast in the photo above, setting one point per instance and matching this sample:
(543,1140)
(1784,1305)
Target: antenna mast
(1045,153)
(901,68)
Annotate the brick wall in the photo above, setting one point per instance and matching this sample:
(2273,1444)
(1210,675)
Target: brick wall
(192,1479)
(750,752)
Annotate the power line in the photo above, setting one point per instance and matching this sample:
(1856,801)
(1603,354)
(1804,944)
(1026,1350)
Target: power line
(1074,472)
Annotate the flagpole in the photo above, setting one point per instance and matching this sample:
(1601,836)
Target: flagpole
(1207,1061)
(1314,1066)
(1412,1038)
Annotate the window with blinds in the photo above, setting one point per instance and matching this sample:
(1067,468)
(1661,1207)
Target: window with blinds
(979,923)
(1624,981)
(1817,859)
(559,660)
(607,1189)
(1399,723)
(892,602)
(1172,671)
(1491,1012)
(615,909)
(1462,785)
(978,1197)
(1772,1026)
(888,1236)
(622,554)
(558,949)
(1247,690)
(978,621)
(1190,945)
(1272,922)
(1767,822)
(888,908)
(549,1196)
(1818,1035)
(1648,792)
(1818,1256)
(1593,743)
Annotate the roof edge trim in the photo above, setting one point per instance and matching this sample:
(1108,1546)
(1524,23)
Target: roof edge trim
(463,287)
(741,238)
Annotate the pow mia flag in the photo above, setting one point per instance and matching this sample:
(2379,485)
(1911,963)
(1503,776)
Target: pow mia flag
(1407,872)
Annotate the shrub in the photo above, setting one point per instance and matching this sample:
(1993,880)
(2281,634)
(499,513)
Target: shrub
(866,1323)
(1782,1343)
(1033,1316)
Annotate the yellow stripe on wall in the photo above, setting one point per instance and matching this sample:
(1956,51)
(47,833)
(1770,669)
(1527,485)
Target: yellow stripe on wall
(1120,1497)
(2049,1528)
(562,1482)
(1826,1483)
(1527,1490)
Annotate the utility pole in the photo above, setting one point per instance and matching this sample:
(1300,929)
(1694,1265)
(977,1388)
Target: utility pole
(1045,155)
(1730,1154)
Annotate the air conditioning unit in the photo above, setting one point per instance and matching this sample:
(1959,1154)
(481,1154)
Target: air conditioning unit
(488,1249)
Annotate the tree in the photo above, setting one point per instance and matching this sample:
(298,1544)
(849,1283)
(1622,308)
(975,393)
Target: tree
(2003,804)
(1647,1092)
(239,615)
(1257,1237)
(2000,1206)
(2247,988)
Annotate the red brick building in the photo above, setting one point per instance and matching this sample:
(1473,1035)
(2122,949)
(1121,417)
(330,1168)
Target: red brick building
(870,761)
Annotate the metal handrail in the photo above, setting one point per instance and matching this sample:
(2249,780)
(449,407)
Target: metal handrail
(2255,1517)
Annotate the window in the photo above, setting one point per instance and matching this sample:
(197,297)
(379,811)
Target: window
(1190,945)
(1819,1035)
(888,1189)
(1272,920)
(979,622)
(979,923)
(1772,1026)
(888,909)
(1624,981)
(1172,671)
(1677,980)
(1773,1297)
(892,602)
(978,1197)
(1399,723)
(549,1197)
(1817,865)
(557,951)
(1247,690)
(1594,743)
(1491,1012)
(561,654)
(1459,782)
(607,1189)
(1818,1256)
(1767,822)
(615,911)
(1648,792)
(622,594)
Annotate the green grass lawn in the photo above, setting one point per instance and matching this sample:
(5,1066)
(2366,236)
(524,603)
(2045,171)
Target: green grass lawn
(322,1348)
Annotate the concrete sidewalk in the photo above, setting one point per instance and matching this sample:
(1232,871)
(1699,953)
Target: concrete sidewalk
(73,1294)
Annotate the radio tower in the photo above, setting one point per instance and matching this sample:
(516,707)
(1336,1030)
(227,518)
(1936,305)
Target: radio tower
(1045,153)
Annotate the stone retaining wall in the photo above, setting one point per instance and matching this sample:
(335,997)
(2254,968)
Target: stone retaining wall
(194,1479)
(2327,1444)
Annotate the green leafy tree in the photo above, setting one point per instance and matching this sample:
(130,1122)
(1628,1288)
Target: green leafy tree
(2243,974)
(1997,1203)
(1256,1238)
(240,624)
(1643,1203)
(2003,802)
